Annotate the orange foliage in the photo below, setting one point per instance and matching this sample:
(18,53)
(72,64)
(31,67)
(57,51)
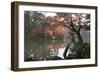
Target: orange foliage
(56,29)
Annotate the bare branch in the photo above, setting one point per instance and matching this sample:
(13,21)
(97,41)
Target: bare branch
(67,26)
(72,25)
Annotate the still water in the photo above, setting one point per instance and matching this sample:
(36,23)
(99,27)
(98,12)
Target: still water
(41,49)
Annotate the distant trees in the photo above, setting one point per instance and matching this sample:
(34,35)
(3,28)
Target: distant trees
(33,25)
(27,30)
(27,22)
(58,25)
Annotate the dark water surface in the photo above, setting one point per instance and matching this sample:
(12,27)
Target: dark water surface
(40,49)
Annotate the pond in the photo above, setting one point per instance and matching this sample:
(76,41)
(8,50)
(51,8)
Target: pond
(43,49)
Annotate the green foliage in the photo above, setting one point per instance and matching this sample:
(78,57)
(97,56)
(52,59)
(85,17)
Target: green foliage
(38,22)
(27,22)
(32,21)
(80,51)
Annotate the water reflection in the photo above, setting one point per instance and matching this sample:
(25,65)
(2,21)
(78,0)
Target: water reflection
(45,50)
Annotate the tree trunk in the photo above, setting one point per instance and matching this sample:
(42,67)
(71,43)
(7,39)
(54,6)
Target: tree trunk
(65,51)
(79,37)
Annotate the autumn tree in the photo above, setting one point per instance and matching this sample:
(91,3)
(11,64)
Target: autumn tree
(75,22)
